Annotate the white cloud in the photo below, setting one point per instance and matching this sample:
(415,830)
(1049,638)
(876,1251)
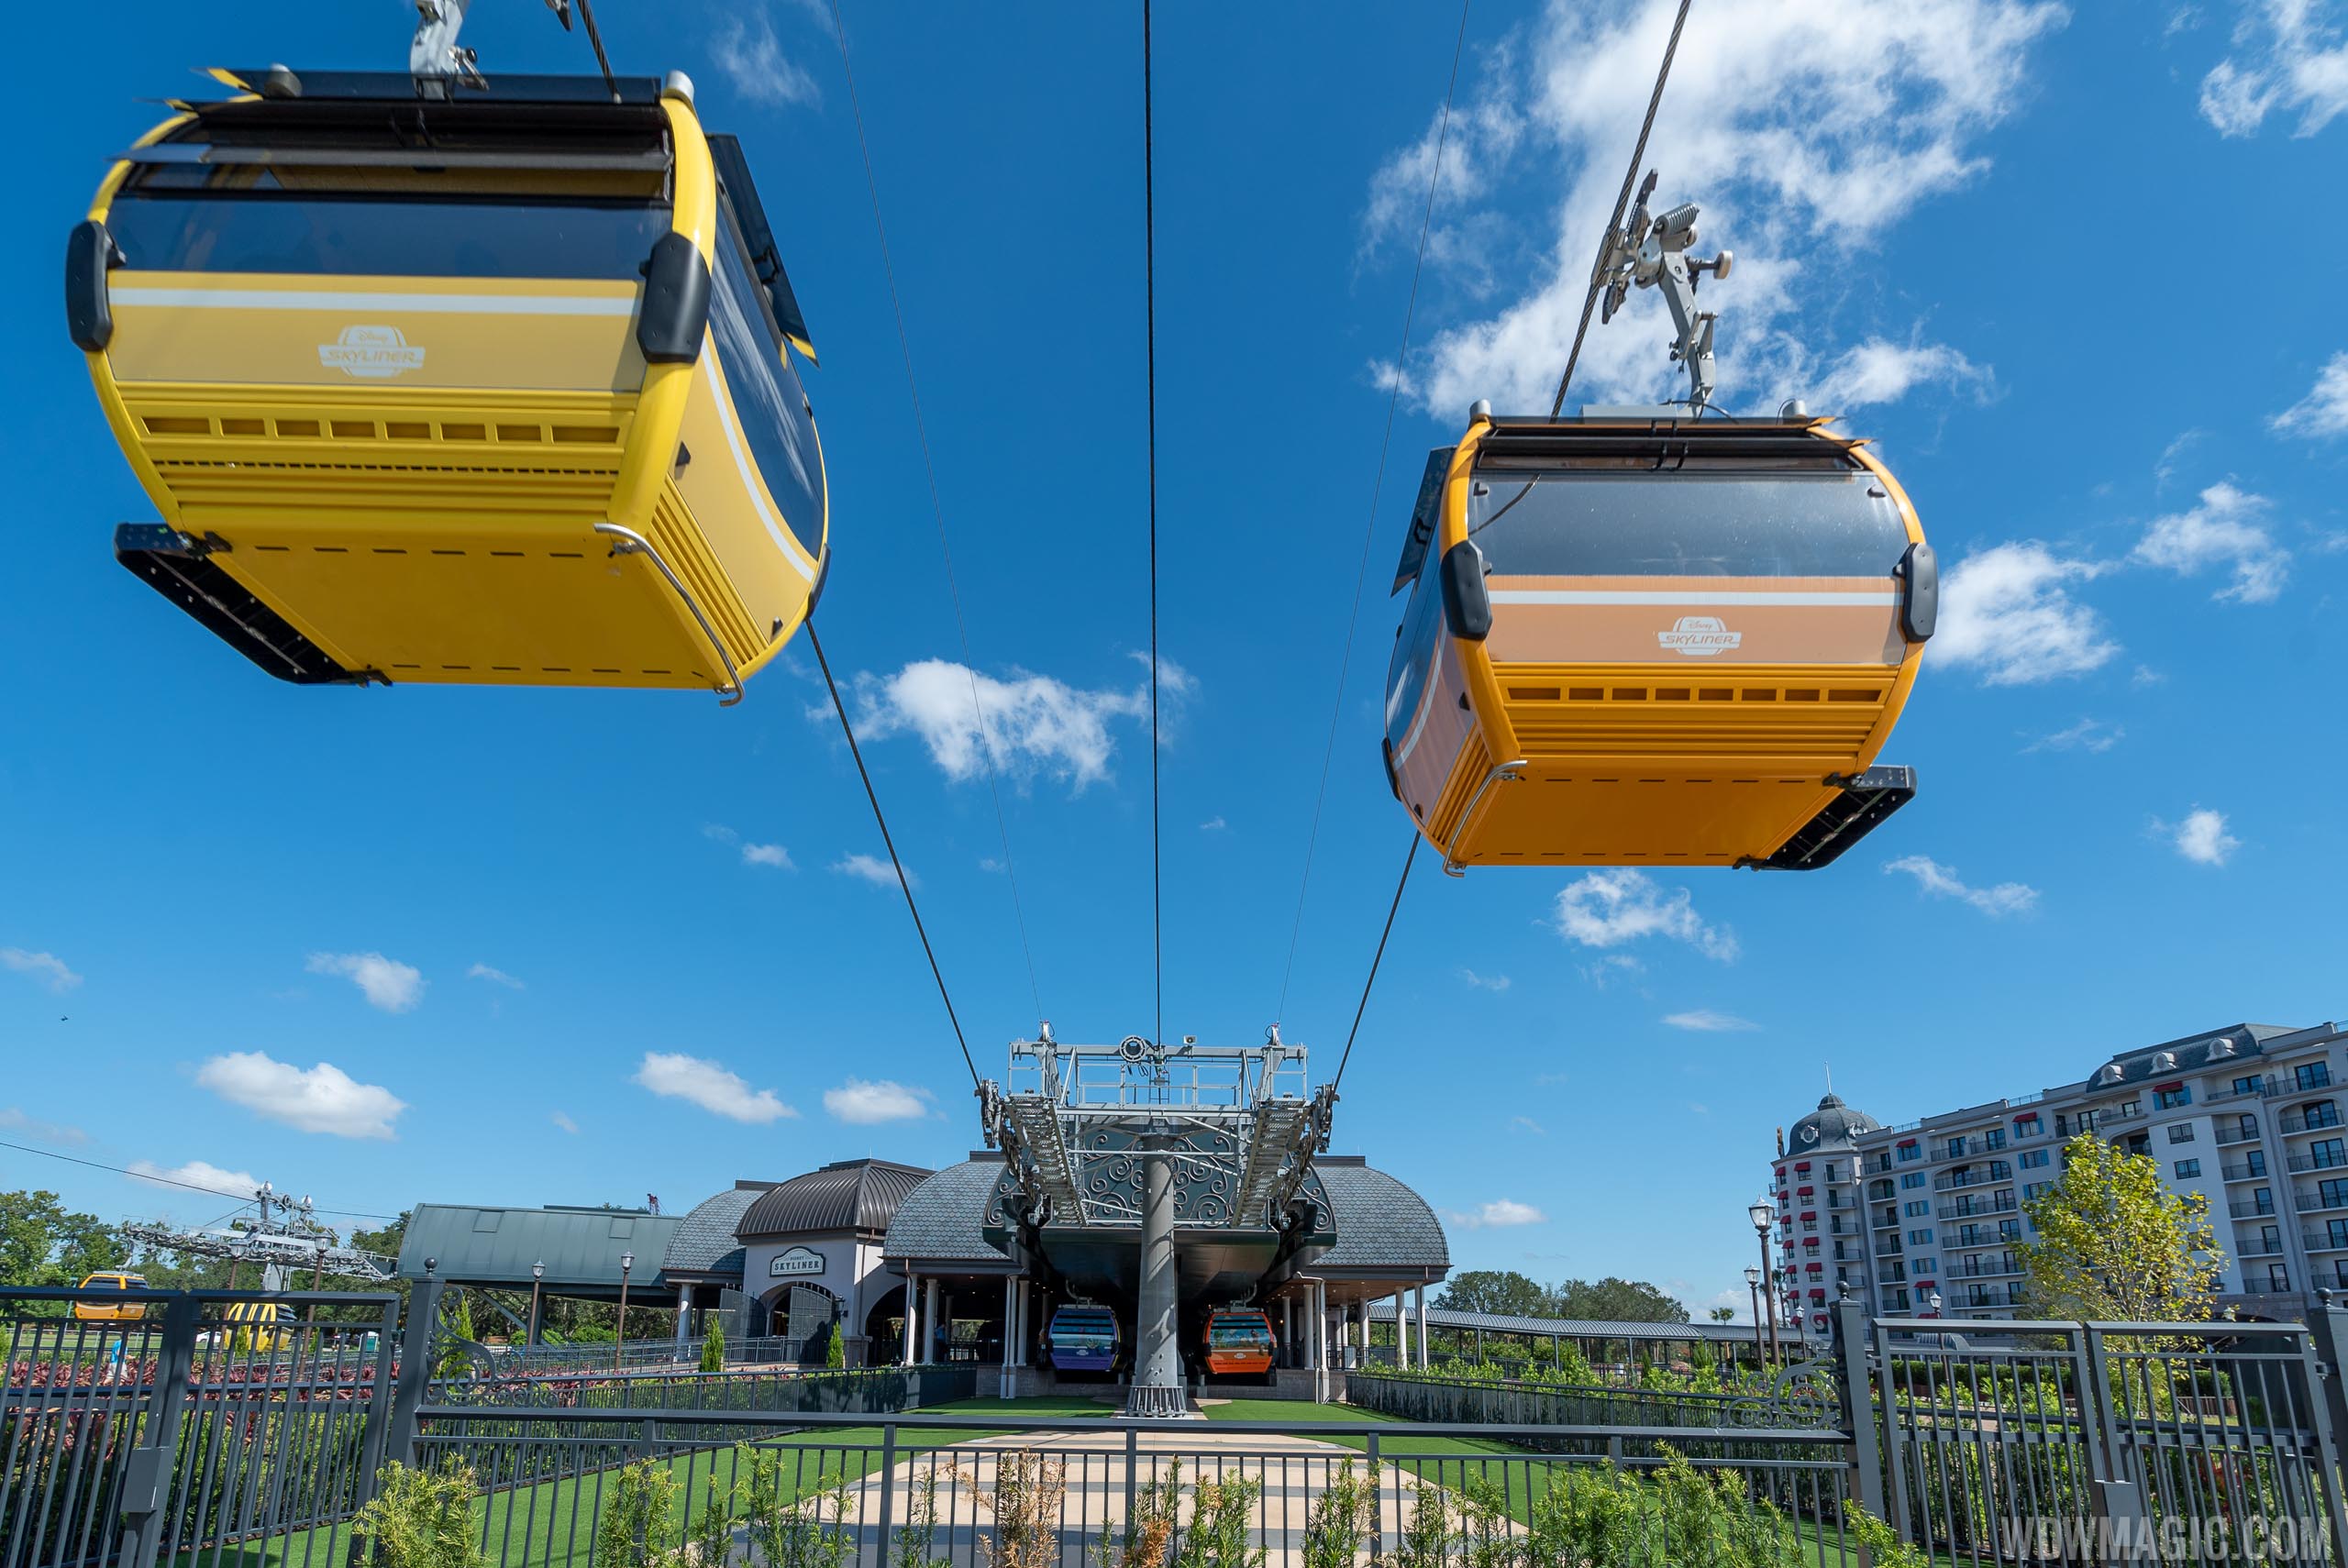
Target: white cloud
(2008,613)
(2164,467)
(1805,131)
(1704,1021)
(873,869)
(1033,725)
(1612,966)
(385,982)
(563,1121)
(1941,882)
(1499,1212)
(46,968)
(772,855)
(1877,371)
(718,832)
(1529,1125)
(2201,837)
(2288,55)
(495,977)
(14,1121)
(863,1103)
(323,1099)
(198,1172)
(2224,528)
(694,1079)
(2325,411)
(752,58)
(1607,909)
(2087,734)
(1485,982)
(1213,825)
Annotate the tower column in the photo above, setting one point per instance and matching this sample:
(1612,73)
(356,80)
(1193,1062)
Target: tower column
(1157,1387)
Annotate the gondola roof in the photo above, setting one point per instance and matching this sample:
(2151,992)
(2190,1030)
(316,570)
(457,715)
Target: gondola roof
(398,86)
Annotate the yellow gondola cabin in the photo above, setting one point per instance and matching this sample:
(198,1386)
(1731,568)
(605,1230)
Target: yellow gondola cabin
(494,387)
(1654,641)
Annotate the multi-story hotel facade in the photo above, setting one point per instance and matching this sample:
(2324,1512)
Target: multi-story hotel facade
(1926,1217)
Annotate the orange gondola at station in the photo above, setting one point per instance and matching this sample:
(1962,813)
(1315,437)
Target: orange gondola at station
(1641,637)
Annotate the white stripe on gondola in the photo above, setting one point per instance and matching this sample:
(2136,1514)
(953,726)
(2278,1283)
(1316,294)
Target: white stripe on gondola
(335,300)
(775,530)
(1670,596)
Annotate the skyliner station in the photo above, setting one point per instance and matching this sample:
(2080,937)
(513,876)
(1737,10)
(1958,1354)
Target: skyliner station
(1150,1222)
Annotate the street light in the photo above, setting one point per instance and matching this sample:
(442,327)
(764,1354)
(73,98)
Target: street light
(537,1278)
(1940,1341)
(619,1340)
(1760,1212)
(1753,1284)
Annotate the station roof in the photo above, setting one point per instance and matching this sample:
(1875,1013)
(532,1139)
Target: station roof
(943,1220)
(846,1196)
(582,1247)
(704,1243)
(1380,1222)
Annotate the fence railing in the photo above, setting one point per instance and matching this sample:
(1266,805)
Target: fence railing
(216,1431)
(589,1356)
(981,1492)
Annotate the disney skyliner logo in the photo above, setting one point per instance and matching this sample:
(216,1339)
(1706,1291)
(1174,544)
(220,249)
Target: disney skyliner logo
(374,353)
(2251,1538)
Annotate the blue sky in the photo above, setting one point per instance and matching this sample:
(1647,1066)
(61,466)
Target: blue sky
(2072,270)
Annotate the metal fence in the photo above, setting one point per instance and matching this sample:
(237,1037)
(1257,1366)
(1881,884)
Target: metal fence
(138,1441)
(212,1433)
(984,1492)
(589,1356)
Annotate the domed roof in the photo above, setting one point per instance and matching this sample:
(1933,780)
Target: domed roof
(1833,1125)
(847,1196)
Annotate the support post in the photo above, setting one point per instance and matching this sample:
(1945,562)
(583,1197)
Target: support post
(1418,1295)
(1854,1383)
(930,1322)
(1156,1390)
(912,1319)
(684,1312)
(2319,1358)
(1401,1328)
(147,1477)
(415,1366)
(1010,1331)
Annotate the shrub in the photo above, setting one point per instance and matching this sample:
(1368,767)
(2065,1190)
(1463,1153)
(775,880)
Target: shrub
(642,1500)
(1222,1525)
(1148,1541)
(835,1347)
(713,1345)
(1341,1515)
(420,1520)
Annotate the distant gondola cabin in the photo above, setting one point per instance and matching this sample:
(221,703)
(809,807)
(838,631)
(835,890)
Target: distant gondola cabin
(1654,642)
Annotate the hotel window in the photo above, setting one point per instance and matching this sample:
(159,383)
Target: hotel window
(2245,1085)
(2180,1132)
(1911,1151)
(1921,1238)
(2313,1074)
(2254,1163)
(1919,1208)
(2327,1152)
(1994,1139)
(1912,1179)
(2008,1230)
(2336,1233)
(2187,1170)
(1924,1268)
(2170,1098)
(2334,1192)
(2033,1159)
(2030,1189)
(2277,1278)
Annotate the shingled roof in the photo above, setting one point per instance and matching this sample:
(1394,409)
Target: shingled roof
(942,1221)
(1380,1222)
(704,1243)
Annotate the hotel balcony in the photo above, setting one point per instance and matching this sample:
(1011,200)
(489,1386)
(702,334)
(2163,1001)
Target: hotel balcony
(2313,1119)
(2325,1240)
(2315,1203)
(2249,1171)
(2246,1209)
(1984,1268)
(2322,1160)
(2260,1247)
(2237,1134)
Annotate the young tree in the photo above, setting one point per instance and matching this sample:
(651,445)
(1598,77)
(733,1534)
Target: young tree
(2115,1243)
(712,1344)
(1724,1314)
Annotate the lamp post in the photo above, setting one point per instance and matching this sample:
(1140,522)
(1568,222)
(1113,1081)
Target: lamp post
(1760,1213)
(1940,1341)
(537,1278)
(619,1342)
(1753,1284)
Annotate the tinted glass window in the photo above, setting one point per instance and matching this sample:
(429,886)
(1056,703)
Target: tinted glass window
(1406,677)
(1244,1333)
(213,232)
(768,399)
(1686,526)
